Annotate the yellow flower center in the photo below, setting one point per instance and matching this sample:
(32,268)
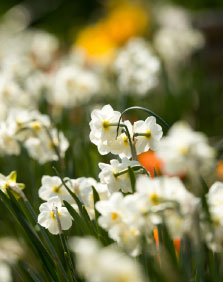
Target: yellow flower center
(125,140)
(105,124)
(53,216)
(114,216)
(36,125)
(183,150)
(148,134)
(56,189)
(154,198)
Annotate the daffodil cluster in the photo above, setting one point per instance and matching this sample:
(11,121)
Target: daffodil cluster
(35,132)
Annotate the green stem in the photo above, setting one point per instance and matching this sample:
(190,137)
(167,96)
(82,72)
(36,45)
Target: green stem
(64,245)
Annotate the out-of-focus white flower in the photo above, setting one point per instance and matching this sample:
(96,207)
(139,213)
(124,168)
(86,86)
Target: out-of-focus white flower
(43,147)
(122,218)
(52,186)
(10,250)
(5,272)
(102,134)
(163,192)
(214,236)
(47,216)
(176,39)
(137,67)
(82,187)
(112,211)
(175,45)
(184,150)
(8,143)
(73,85)
(43,48)
(9,181)
(153,133)
(116,183)
(104,264)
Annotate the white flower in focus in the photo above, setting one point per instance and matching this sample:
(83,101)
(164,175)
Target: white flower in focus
(137,67)
(102,134)
(47,216)
(121,145)
(104,264)
(184,150)
(116,183)
(52,186)
(153,133)
(5,272)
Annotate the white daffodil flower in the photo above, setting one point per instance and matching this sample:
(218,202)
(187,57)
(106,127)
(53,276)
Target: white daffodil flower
(162,192)
(151,134)
(137,68)
(120,146)
(10,182)
(8,143)
(47,217)
(184,150)
(104,264)
(102,133)
(52,186)
(82,187)
(73,85)
(117,182)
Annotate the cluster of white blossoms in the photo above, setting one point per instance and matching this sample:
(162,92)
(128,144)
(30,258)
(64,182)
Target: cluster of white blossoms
(184,150)
(34,131)
(72,85)
(143,135)
(176,39)
(126,218)
(54,193)
(137,68)
(95,263)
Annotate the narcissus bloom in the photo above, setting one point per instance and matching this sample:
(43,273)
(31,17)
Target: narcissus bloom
(104,264)
(101,132)
(47,216)
(9,181)
(52,186)
(185,151)
(152,133)
(109,171)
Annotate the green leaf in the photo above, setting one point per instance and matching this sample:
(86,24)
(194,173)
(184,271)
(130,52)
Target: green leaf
(132,178)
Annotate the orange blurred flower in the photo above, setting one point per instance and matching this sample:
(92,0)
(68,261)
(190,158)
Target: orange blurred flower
(220,170)
(150,161)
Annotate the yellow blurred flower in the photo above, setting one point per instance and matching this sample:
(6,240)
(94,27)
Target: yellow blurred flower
(125,19)
(96,43)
